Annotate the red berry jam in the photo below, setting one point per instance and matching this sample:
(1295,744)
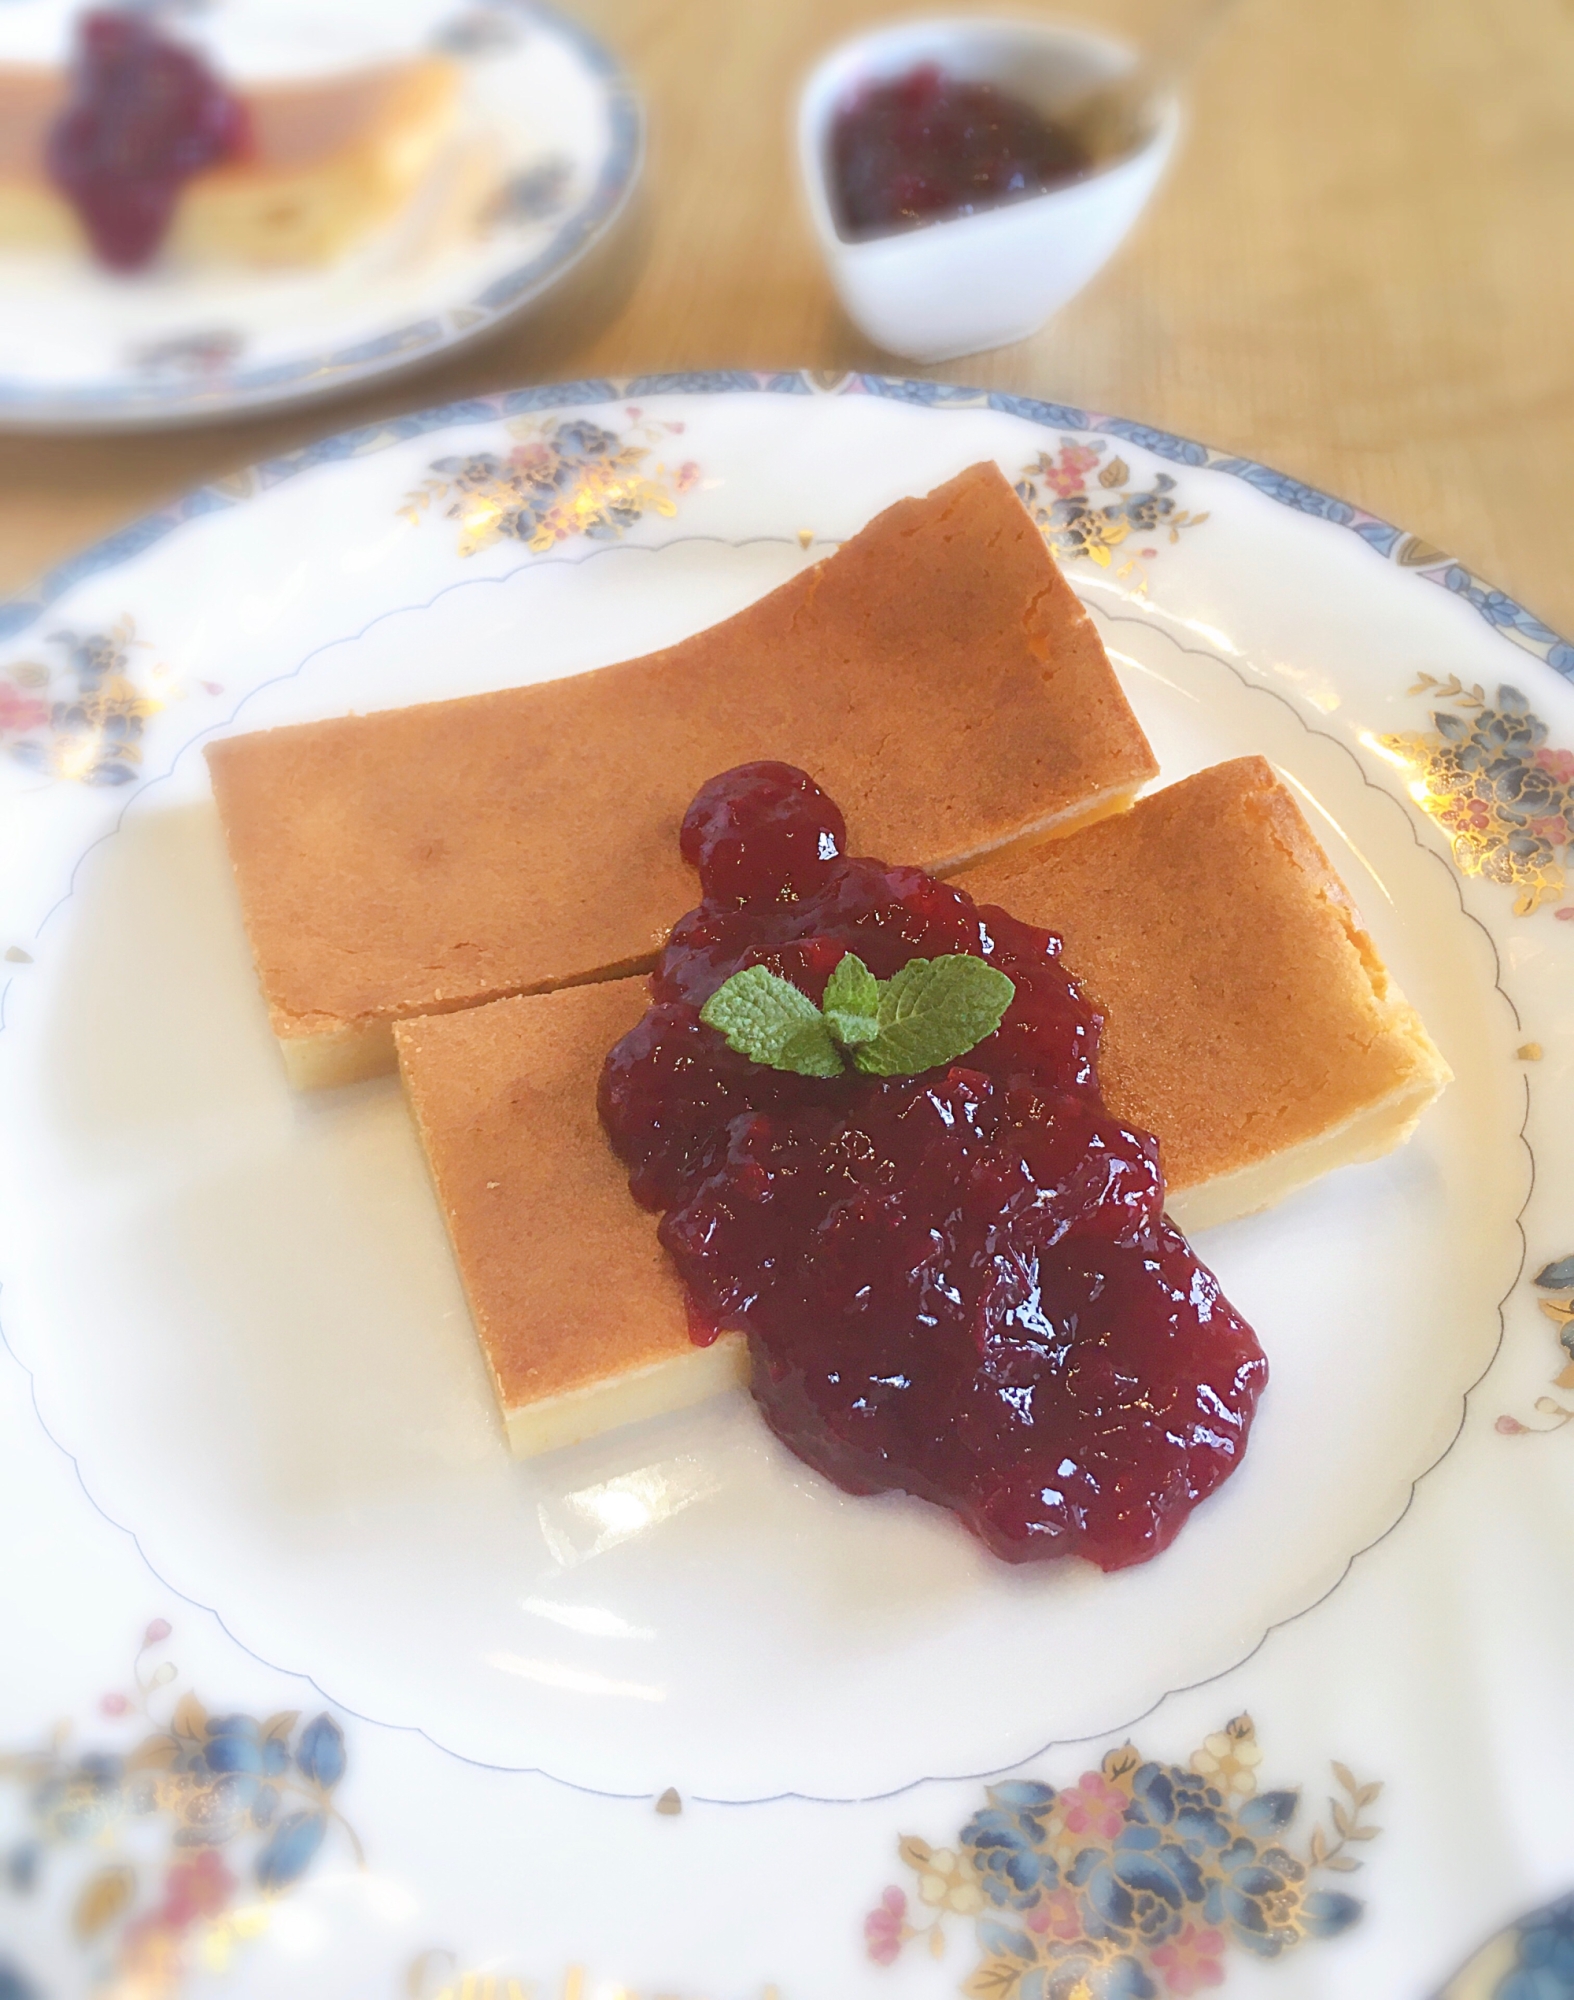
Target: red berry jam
(144,115)
(926,145)
(960,1284)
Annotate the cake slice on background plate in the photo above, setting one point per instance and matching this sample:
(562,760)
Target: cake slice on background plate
(141,146)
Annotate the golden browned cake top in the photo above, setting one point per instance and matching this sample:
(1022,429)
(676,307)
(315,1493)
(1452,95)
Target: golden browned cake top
(566,1281)
(936,675)
(1246,1010)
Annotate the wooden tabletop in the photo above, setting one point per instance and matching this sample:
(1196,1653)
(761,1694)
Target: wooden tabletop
(1360,271)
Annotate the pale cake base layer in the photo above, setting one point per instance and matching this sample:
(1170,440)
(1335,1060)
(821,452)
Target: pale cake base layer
(1250,1189)
(343,1055)
(656,1390)
(350,1052)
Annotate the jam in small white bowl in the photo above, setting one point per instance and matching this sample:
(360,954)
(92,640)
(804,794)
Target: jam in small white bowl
(938,288)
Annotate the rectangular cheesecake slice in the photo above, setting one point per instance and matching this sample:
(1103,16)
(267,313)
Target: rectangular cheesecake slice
(581,1318)
(1248,1023)
(1248,1020)
(331,158)
(937,675)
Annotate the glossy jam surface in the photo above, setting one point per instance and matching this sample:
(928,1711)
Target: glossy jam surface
(144,115)
(960,1283)
(926,145)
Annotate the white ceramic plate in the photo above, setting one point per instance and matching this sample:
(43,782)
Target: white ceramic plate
(544,152)
(238,1328)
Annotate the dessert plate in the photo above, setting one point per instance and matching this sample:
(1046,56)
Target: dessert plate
(237,1339)
(545,148)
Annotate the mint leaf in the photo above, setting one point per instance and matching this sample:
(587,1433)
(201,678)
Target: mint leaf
(932,1011)
(810,1051)
(852,1030)
(852,1000)
(766,1018)
(852,988)
(901,993)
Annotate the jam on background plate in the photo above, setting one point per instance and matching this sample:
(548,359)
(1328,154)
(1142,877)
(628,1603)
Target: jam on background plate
(144,115)
(240,1317)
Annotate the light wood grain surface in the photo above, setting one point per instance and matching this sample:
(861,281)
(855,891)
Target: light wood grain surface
(1361,271)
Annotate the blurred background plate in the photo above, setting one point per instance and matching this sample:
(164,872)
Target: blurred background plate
(546,148)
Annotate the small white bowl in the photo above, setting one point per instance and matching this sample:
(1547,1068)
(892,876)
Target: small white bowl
(940,289)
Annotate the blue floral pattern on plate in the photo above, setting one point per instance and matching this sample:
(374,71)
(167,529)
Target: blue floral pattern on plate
(235,1797)
(81,712)
(1530,1959)
(1137,1881)
(1079,521)
(1505,796)
(562,479)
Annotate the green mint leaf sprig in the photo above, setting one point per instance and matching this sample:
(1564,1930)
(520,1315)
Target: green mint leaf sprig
(766,1018)
(852,1002)
(931,1012)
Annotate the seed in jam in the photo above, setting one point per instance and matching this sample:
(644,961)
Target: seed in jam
(958,1284)
(926,145)
(144,115)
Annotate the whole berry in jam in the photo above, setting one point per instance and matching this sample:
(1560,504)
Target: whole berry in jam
(144,115)
(958,1283)
(762,832)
